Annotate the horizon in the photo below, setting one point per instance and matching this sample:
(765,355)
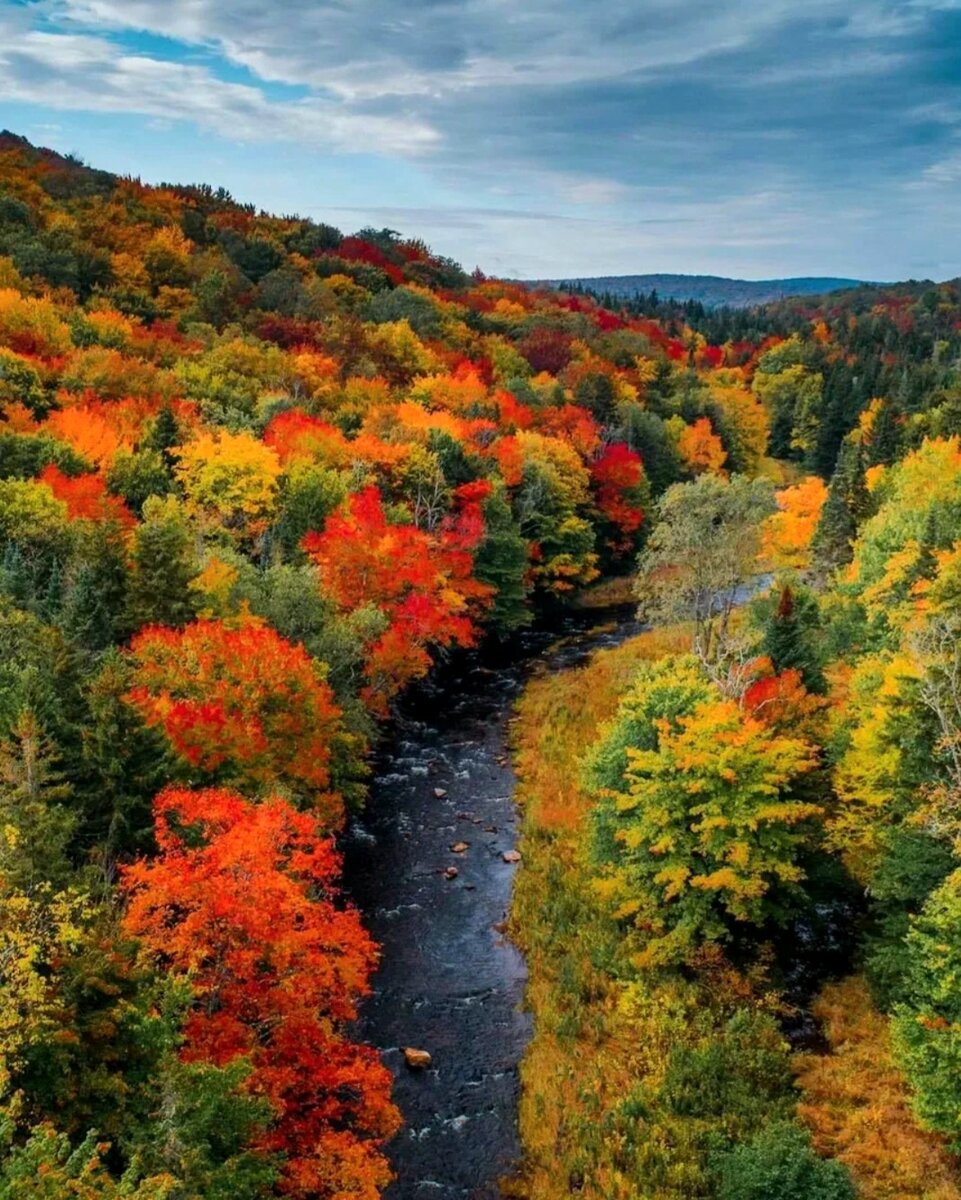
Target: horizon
(549,143)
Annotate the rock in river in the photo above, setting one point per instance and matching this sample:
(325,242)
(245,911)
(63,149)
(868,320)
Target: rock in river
(511,856)
(417,1060)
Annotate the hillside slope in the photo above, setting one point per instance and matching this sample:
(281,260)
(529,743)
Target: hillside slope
(711,290)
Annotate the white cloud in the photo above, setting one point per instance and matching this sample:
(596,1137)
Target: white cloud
(372,49)
(79,71)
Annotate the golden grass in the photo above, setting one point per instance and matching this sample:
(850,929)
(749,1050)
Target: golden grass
(581,1061)
(856,1104)
(611,592)
(558,718)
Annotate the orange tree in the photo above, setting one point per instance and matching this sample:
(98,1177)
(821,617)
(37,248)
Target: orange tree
(242,901)
(421,582)
(241,703)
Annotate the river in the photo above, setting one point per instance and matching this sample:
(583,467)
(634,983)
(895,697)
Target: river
(449,982)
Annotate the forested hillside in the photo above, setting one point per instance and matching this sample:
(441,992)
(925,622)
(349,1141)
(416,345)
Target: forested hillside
(744,983)
(257,477)
(711,290)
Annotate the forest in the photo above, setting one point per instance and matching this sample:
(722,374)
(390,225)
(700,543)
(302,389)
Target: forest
(258,480)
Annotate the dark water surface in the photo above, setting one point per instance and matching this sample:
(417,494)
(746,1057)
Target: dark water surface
(449,982)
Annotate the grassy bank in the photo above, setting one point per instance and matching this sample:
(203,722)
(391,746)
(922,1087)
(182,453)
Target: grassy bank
(579,1060)
(856,1103)
(636,1080)
(630,1075)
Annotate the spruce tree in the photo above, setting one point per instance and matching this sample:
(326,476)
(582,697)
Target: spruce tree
(86,619)
(53,601)
(848,503)
(501,561)
(790,637)
(35,826)
(16,579)
(164,435)
(163,565)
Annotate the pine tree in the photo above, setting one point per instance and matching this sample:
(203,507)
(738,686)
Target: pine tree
(163,566)
(122,765)
(501,561)
(790,637)
(164,436)
(53,601)
(86,619)
(848,503)
(35,827)
(16,579)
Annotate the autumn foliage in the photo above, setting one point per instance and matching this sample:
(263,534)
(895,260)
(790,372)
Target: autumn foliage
(86,498)
(420,582)
(241,899)
(256,478)
(240,703)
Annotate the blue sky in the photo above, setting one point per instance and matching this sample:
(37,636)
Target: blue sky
(532,138)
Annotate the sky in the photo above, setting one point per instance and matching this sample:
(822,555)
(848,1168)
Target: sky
(535,139)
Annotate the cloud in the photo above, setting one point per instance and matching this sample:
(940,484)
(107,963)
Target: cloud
(80,71)
(372,49)
(748,125)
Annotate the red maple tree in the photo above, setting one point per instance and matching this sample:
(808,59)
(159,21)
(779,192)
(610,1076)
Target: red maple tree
(242,900)
(421,581)
(240,702)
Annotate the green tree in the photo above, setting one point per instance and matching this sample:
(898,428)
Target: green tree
(136,477)
(35,823)
(779,1164)
(501,561)
(702,830)
(790,634)
(47,1166)
(309,494)
(118,768)
(163,436)
(848,503)
(701,555)
(163,564)
(201,1130)
(926,1029)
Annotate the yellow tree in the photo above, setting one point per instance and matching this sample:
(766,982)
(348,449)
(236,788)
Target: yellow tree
(707,832)
(788,533)
(230,481)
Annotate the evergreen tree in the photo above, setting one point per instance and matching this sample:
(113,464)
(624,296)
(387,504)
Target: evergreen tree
(164,435)
(122,765)
(501,561)
(163,565)
(53,601)
(86,619)
(790,637)
(885,441)
(16,579)
(95,605)
(848,503)
(35,826)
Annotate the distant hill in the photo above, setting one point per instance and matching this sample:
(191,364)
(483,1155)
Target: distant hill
(711,290)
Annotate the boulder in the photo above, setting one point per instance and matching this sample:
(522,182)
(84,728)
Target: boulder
(417,1060)
(511,856)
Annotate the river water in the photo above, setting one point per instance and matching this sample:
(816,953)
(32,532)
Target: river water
(449,981)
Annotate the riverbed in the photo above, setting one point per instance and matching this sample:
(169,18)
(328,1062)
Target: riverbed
(426,865)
